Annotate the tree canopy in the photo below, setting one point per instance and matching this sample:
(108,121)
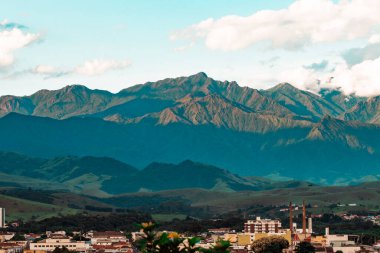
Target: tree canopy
(270,244)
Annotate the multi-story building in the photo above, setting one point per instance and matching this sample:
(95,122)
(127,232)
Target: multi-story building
(262,226)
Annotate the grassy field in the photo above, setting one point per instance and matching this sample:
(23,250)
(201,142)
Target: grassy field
(366,195)
(176,204)
(17,208)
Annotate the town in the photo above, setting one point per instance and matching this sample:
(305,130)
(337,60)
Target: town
(239,241)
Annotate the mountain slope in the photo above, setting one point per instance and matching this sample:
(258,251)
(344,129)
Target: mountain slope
(77,100)
(69,101)
(101,176)
(281,131)
(365,111)
(301,102)
(188,174)
(220,112)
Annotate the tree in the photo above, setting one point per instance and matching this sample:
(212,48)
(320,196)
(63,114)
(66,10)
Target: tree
(153,242)
(271,244)
(305,247)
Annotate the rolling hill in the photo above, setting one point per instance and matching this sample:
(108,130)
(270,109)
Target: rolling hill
(103,176)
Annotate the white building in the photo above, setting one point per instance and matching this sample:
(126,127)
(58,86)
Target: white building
(2,217)
(107,237)
(50,244)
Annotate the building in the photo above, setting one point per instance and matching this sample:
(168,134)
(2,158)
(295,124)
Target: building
(10,247)
(107,237)
(219,230)
(50,244)
(262,226)
(2,217)
(6,236)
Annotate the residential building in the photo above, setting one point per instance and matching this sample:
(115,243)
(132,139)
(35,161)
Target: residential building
(262,226)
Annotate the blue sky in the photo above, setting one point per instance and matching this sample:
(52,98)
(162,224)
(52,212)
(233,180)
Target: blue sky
(115,44)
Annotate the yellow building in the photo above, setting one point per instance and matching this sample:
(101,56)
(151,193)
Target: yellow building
(243,240)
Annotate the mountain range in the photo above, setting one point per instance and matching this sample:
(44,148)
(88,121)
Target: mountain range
(325,137)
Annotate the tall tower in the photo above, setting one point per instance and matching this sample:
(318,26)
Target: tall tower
(303,218)
(291,217)
(310,229)
(2,217)
(291,224)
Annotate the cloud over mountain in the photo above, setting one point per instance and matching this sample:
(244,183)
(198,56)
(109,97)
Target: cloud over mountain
(98,66)
(303,23)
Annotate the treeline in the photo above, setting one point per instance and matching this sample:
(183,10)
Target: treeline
(192,225)
(85,222)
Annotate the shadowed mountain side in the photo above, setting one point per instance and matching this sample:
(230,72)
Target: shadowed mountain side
(101,176)
(331,150)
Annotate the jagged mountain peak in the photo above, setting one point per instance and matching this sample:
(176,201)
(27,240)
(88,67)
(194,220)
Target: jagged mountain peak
(200,75)
(284,87)
(172,88)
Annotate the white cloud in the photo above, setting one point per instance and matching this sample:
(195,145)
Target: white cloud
(362,79)
(374,39)
(302,78)
(97,67)
(304,22)
(11,40)
(44,69)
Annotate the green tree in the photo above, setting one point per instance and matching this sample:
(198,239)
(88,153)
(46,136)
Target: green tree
(305,247)
(154,242)
(270,244)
